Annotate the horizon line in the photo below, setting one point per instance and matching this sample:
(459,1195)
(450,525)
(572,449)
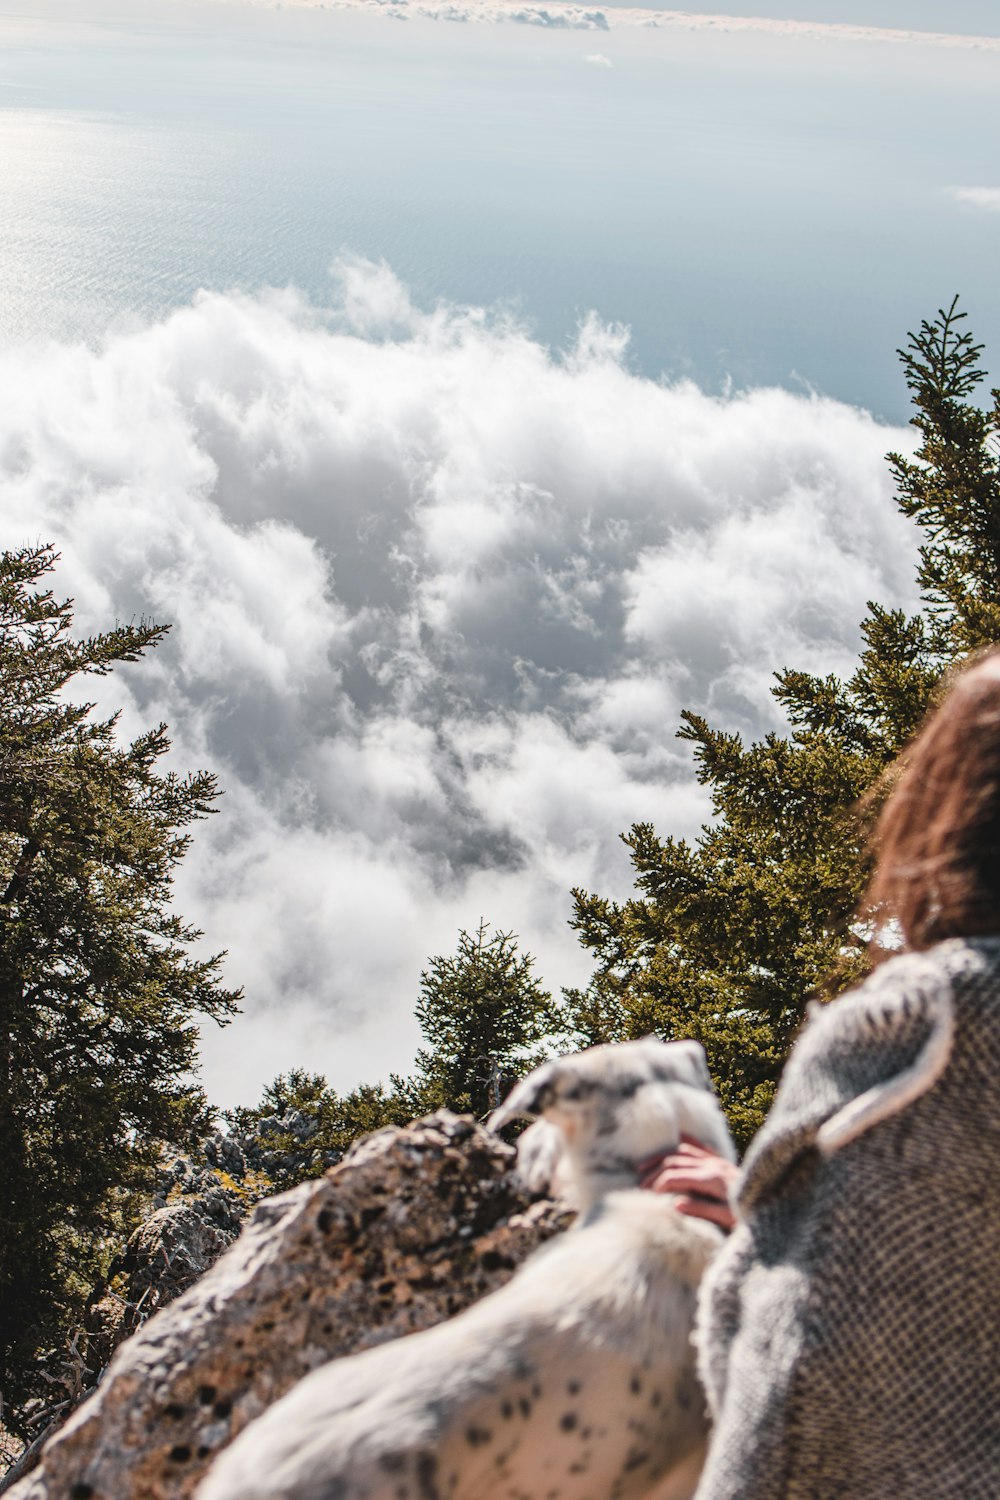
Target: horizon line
(572,15)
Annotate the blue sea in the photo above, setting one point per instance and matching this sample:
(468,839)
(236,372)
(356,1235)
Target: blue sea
(757,209)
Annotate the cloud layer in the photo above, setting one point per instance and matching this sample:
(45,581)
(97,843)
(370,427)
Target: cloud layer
(979,197)
(439,594)
(570,15)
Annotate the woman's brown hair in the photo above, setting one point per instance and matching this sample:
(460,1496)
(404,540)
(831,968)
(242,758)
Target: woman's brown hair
(937,840)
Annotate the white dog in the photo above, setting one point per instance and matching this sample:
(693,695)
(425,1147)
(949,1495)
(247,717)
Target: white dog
(576,1380)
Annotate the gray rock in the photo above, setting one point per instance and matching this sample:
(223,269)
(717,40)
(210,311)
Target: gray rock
(411,1227)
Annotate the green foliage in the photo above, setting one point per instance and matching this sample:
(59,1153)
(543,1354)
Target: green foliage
(726,938)
(952,489)
(484,1016)
(99,991)
(302,1126)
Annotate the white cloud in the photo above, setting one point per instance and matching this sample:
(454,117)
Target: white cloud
(599,60)
(373,299)
(569,15)
(978,197)
(438,597)
(557,17)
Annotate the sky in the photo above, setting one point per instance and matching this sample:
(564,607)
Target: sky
(446,556)
(969,17)
(757,208)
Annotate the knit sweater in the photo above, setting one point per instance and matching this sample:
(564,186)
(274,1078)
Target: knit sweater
(849,1331)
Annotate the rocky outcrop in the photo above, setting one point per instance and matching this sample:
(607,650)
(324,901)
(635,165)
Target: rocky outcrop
(200,1200)
(199,1205)
(408,1229)
(195,1217)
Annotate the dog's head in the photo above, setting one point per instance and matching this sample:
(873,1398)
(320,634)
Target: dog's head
(614,1105)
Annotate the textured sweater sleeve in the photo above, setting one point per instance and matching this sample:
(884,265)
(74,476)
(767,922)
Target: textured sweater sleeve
(718,1317)
(860,1059)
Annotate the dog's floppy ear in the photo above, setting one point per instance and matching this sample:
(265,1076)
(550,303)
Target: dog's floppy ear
(679,1060)
(529,1097)
(695,1061)
(540,1159)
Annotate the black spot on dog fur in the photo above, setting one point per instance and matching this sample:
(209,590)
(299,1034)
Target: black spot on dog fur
(427,1477)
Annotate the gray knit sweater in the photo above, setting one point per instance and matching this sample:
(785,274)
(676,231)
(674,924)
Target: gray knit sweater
(849,1334)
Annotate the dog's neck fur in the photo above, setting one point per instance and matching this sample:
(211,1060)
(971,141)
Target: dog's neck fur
(595,1175)
(608,1162)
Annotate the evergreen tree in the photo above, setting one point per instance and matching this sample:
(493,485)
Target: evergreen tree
(727,937)
(99,991)
(484,1015)
(302,1126)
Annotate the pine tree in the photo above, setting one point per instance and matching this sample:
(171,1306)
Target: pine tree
(302,1126)
(99,991)
(484,1015)
(726,938)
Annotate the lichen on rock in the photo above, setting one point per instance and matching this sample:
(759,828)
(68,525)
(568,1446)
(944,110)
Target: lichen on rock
(412,1226)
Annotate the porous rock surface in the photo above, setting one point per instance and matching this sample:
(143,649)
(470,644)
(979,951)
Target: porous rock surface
(195,1218)
(408,1229)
